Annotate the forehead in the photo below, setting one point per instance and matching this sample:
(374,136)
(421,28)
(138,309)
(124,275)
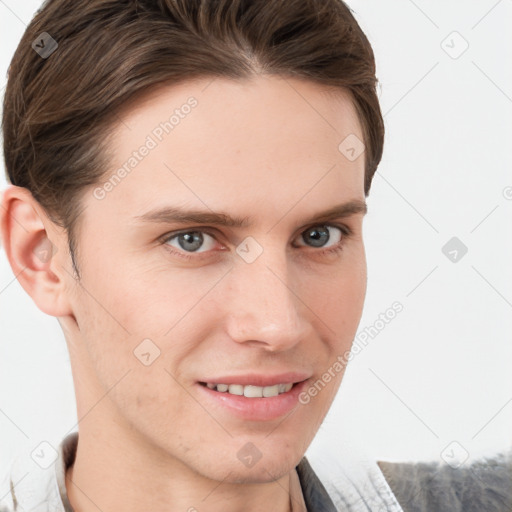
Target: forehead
(265,143)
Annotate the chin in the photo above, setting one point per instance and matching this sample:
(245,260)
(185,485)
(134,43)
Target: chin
(268,468)
(258,474)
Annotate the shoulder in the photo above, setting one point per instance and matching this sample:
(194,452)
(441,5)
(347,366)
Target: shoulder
(434,487)
(35,479)
(355,483)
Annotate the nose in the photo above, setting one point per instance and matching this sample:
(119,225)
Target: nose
(263,308)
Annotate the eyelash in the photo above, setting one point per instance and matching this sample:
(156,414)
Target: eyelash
(345,230)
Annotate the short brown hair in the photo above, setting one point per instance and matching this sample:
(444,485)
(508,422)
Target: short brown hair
(58,108)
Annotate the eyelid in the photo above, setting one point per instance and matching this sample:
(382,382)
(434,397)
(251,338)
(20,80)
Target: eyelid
(345,231)
(203,229)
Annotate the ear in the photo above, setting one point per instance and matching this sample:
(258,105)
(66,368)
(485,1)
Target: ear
(31,242)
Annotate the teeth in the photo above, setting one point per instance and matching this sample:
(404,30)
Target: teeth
(252,391)
(270,391)
(236,389)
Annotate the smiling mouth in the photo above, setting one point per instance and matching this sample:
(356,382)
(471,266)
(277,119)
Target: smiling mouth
(250,391)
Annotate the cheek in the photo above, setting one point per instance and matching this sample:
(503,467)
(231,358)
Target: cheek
(113,356)
(339,302)
(126,312)
(337,295)
(156,299)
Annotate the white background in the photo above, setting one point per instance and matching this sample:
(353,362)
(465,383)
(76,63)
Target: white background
(441,370)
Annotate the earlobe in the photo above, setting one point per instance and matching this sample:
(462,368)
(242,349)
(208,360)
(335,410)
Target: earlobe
(27,241)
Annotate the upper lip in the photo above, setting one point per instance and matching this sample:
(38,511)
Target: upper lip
(258,379)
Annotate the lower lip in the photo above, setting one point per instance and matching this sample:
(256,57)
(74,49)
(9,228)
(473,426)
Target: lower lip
(255,409)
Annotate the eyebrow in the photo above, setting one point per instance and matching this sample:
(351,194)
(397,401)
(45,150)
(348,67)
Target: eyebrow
(173,214)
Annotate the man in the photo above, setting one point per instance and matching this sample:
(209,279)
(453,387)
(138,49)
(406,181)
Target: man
(197,172)
(188,193)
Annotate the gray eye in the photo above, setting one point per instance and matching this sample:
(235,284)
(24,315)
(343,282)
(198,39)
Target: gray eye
(191,241)
(318,236)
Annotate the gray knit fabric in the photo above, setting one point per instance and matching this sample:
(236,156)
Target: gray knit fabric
(481,486)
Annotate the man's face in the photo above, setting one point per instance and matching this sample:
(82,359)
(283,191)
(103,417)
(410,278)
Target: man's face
(267,302)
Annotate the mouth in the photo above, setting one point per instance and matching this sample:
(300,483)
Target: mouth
(266,400)
(251,390)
